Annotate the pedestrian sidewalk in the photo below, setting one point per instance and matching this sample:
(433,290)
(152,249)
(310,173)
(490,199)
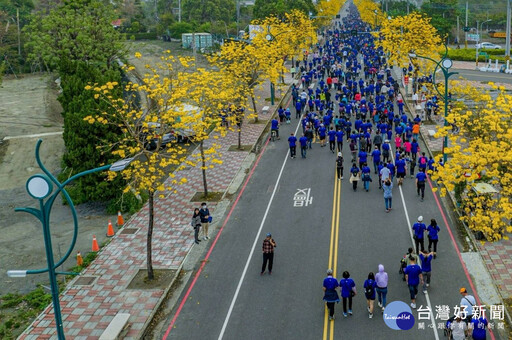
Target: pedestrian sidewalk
(87,309)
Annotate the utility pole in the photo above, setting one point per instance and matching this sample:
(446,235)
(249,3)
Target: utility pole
(466,33)
(407,7)
(179,10)
(458,38)
(237,17)
(18,23)
(507,39)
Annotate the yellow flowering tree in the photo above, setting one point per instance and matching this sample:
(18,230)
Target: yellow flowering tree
(480,153)
(327,10)
(411,33)
(209,93)
(152,108)
(370,12)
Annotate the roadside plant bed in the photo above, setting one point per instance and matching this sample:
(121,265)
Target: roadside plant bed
(244,148)
(213,196)
(161,280)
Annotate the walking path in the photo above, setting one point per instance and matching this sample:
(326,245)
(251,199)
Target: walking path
(88,309)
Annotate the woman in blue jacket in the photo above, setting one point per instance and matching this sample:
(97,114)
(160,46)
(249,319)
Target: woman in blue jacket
(330,293)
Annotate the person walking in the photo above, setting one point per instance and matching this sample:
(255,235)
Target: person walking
(303,145)
(466,303)
(419,230)
(339,166)
(426,268)
(332,139)
(330,293)
(205,220)
(292,142)
(414,278)
(369,292)
(388,193)
(365,173)
(421,177)
(355,175)
(309,135)
(381,279)
(433,229)
(376,158)
(196,224)
(477,328)
(268,254)
(459,328)
(348,291)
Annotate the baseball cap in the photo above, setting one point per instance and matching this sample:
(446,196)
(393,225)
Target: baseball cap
(269,234)
(339,154)
(329,271)
(463,290)
(420,218)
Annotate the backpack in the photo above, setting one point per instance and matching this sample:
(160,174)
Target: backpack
(339,162)
(423,160)
(368,290)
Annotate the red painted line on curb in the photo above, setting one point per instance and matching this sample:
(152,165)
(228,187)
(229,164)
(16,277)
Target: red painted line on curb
(457,250)
(192,284)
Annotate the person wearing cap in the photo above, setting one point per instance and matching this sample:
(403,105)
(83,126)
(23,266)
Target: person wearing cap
(466,303)
(459,328)
(330,294)
(268,254)
(339,166)
(419,230)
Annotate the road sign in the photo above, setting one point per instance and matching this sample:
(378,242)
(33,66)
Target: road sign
(473,37)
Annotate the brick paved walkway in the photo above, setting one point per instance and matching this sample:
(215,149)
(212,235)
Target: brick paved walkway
(88,309)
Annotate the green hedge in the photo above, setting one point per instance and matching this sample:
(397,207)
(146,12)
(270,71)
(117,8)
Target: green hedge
(143,36)
(469,54)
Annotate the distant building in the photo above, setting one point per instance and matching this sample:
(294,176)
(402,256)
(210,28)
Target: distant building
(203,40)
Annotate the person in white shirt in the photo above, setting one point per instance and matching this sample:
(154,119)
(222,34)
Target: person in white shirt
(459,328)
(467,301)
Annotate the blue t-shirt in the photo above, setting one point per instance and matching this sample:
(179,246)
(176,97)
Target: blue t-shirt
(413,271)
(292,140)
(426,263)
(479,326)
(371,284)
(346,287)
(432,232)
(275,124)
(419,229)
(321,131)
(400,166)
(376,155)
(303,141)
(339,135)
(362,156)
(421,177)
(332,135)
(330,283)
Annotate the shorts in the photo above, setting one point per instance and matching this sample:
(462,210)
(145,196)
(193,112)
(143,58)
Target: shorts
(400,174)
(322,138)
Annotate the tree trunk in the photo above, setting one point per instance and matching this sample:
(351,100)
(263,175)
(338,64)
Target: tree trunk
(203,169)
(254,108)
(151,275)
(240,137)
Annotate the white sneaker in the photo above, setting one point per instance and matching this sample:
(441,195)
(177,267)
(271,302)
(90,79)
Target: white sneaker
(413,305)
(370,315)
(428,284)
(380,304)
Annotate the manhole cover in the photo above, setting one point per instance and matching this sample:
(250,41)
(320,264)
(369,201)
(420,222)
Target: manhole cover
(85,281)
(129,231)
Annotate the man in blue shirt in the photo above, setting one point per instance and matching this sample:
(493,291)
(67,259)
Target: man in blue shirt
(400,170)
(332,139)
(376,158)
(414,278)
(292,142)
(275,127)
(421,177)
(303,145)
(419,230)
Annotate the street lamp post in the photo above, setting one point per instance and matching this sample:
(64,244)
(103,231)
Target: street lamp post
(444,64)
(40,187)
(479,40)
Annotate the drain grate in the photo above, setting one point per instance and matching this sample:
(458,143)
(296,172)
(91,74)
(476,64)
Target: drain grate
(128,231)
(85,280)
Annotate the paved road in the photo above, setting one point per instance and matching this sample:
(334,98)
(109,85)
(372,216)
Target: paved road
(288,304)
(483,76)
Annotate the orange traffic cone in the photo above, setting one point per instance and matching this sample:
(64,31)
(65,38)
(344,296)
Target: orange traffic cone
(110,229)
(120,220)
(79,259)
(95,246)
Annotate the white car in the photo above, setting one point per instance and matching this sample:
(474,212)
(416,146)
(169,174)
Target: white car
(489,46)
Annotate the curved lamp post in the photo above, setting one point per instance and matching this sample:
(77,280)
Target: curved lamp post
(40,187)
(444,64)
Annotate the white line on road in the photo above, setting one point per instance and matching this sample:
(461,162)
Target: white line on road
(412,240)
(256,239)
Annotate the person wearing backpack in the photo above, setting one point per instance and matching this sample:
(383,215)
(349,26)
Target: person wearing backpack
(339,166)
(422,162)
(354,176)
(369,291)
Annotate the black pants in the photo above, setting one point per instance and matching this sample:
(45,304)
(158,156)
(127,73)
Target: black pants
(267,257)
(332,145)
(339,171)
(345,304)
(430,243)
(421,188)
(330,306)
(340,146)
(196,232)
(419,242)
(354,185)
(293,151)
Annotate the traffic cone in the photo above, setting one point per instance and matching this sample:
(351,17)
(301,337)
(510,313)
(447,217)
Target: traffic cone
(79,259)
(95,246)
(120,220)
(110,229)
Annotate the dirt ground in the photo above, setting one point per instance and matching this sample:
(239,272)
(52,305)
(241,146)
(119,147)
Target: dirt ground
(30,111)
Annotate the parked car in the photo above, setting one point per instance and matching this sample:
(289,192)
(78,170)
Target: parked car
(489,46)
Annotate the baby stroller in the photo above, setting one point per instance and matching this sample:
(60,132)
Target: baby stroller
(447,329)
